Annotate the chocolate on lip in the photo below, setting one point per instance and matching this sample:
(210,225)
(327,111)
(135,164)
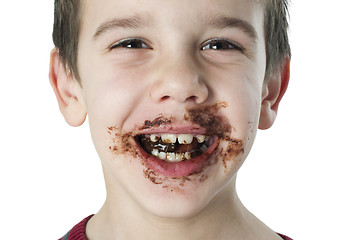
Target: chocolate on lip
(199,120)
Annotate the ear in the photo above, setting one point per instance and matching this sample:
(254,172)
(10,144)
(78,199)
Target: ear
(273,91)
(67,90)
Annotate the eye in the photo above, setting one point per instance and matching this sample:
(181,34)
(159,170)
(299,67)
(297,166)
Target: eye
(132,43)
(221,44)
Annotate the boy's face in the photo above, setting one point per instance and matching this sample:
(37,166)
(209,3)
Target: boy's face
(174,66)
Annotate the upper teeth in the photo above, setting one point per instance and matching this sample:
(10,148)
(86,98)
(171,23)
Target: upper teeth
(185,138)
(182,138)
(168,138)
(154,138)
(200,138)
(168,152)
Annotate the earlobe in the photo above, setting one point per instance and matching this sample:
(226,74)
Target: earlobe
(273,92)
(67,91)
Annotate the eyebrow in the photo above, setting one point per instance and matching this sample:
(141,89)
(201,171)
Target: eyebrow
(222,22)
(128,22)
(137,21)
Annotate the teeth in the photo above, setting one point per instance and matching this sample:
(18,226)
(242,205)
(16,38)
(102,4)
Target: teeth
(171,157)
(182,138)
(179,157)
(185,138)
(200,138)
(162,155)
(154,138)
(155,152)
(162,151)
(168,138)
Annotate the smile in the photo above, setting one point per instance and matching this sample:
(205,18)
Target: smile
(176,155)
(174,147)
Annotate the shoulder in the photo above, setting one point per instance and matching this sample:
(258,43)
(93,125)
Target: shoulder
(284,237)
(78,232)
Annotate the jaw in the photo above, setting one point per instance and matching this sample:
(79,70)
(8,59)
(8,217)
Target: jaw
(173,190)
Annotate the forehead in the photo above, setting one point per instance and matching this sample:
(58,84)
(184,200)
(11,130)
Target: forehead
(192,14)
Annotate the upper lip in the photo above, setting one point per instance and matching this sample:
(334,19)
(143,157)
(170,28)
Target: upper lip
(174,129)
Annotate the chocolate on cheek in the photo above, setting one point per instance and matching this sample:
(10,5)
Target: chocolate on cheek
(215,124)
(122,143)
(207,117)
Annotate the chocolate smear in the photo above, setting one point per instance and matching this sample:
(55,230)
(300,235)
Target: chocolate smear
(161,120)
(207,117)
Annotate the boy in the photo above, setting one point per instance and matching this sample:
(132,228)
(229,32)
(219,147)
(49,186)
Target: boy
(175,92)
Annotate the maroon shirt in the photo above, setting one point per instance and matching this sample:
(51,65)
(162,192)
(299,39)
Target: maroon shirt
(79,231)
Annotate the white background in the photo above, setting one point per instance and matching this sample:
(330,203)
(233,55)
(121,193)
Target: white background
(51,177)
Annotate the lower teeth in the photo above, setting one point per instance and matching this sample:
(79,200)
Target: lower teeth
(170,156)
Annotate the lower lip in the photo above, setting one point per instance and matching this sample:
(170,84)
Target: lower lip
(179,169)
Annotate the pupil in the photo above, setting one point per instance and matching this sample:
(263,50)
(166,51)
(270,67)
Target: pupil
(220,45)
(134,44)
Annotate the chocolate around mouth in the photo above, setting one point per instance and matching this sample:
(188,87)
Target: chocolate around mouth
(207,117)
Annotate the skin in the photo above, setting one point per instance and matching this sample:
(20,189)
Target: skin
(171,73)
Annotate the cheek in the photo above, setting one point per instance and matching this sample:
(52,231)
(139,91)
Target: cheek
(240,87)
(242,92)
(112,94)
(246,103)
(245,110)
(110,99)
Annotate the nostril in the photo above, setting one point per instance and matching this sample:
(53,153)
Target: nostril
(191,99)
(188,99)
(166,97)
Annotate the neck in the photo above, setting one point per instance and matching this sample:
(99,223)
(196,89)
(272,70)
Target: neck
(223,218)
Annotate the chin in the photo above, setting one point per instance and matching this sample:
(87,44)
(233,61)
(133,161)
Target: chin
(182,197)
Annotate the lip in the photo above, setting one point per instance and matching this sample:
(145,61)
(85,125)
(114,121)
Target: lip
(178,169)
(191,129)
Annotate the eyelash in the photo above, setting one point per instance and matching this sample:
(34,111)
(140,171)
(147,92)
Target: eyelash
(129,43)
(221,42)
(212,44)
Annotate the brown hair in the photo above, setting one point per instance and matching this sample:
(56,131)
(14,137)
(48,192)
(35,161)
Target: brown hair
(276,35)
(67,27)
(66,32)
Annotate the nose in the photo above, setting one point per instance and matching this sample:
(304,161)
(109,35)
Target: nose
(180,81)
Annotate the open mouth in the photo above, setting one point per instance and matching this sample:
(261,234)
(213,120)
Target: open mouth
(176,155)
(174,148)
